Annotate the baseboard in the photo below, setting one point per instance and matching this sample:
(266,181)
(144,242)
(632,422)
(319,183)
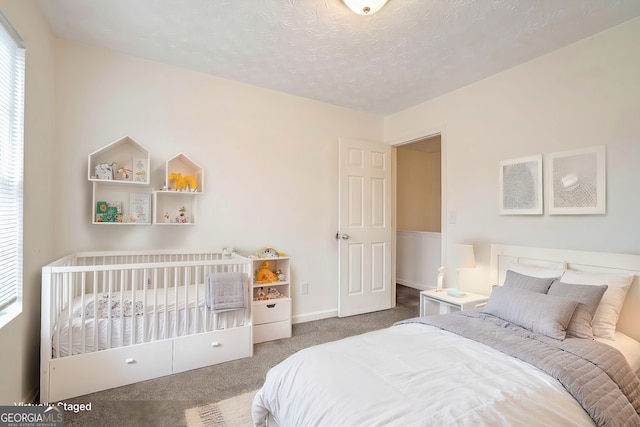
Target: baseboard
(411,284)
(318,315)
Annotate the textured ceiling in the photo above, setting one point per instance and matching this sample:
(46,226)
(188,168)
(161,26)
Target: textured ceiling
(409,52)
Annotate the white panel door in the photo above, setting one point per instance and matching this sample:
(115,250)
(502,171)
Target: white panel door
(364,236)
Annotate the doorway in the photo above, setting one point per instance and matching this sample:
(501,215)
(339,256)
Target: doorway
(419,202)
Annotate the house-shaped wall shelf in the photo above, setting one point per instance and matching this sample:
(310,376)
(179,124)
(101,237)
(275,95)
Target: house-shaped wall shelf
(178,206)
(127,161)
(183,165)
(119,173)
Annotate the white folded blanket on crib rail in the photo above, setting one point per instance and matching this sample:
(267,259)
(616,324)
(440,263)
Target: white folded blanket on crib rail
(227,291)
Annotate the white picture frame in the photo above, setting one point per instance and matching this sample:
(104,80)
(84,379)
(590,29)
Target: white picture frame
(139,207)
(521,186)
(139,169)
(576,181)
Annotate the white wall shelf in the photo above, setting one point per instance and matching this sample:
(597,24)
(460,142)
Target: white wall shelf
(167,205)
(178,206)
(271,317)
(183,165)
(119,173)
(130,162)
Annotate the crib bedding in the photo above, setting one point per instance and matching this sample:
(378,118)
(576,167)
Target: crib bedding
(413,374)
(136,317)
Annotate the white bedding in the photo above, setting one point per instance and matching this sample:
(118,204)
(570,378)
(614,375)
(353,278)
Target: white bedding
(157,320)
(412,375)
(629,347)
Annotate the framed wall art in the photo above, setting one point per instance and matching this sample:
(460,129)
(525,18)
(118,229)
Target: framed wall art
(576,181)
(139,207)
(521,186)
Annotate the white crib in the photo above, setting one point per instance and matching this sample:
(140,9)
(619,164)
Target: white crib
(115,318)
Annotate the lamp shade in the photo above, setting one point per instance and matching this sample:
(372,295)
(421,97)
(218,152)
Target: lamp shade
(464,256)
(365,7)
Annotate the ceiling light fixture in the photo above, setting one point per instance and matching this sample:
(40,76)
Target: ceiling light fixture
(365,7)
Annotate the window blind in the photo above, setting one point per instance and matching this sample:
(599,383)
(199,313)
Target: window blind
(12,64)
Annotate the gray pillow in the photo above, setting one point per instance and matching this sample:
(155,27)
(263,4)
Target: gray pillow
(530,283)
(544,314)
(588,298)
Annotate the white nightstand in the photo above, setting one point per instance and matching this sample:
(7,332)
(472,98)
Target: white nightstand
(434,302)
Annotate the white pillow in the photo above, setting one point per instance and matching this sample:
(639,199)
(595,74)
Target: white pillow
(537,271)
(608,312)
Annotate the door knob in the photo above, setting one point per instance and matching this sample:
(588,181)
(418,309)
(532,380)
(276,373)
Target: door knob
(344,236)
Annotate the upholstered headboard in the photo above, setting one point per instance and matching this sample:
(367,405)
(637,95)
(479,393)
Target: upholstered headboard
(502,256)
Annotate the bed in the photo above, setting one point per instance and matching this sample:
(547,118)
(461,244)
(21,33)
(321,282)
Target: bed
(115,318)
(526,358)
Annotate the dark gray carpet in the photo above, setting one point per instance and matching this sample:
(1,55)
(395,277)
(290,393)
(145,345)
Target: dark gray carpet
(162,401)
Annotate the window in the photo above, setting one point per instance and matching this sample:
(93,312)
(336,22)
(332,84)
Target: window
(12,61)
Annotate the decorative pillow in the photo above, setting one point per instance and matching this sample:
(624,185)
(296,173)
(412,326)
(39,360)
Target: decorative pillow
(529,283)
(588,298)
(545,314)
(606,317)
(537,271)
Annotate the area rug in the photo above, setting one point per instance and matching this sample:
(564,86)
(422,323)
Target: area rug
(233,412)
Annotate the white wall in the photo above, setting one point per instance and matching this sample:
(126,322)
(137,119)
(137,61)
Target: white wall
(20,339)
(584,95)
(418,256)
(270,161)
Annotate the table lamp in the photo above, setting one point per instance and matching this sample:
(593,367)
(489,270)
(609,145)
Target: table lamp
(463,258)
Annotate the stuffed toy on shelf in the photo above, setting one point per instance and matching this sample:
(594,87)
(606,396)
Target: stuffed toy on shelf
(265,275)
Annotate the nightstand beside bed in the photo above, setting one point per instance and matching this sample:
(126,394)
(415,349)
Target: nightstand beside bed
(439,302)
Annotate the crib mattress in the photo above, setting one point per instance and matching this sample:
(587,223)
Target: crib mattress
(103,321)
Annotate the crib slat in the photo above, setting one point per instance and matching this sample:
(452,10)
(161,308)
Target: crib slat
(121,285)
(109,285)
(166,292)
(68,285)
(95,310)
(56,308)
(83,284)
(155,318)
(132,285)
(207,313)
(176,316)
(144,283)
(185,313)
(196,308)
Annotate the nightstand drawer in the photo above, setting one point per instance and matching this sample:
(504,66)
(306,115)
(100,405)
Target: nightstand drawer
(271,311)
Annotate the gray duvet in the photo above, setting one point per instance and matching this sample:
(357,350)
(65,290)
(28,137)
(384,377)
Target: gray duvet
(597,375)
